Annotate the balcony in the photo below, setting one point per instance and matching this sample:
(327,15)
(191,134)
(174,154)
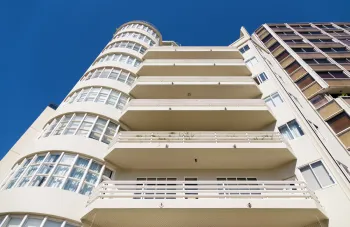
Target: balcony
(345,54)
(324,67)
(310,55)
(328,45)
(194,67)
(338,85)
(298,73)
(299,45)
(203,203)
(277,51)
(313,89)
(199,150)
(197,115)
(195,87)
(192,52)
(329,109)
(316,36)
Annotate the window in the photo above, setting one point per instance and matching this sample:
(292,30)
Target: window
(339,122)
(226,182)
(33,221)
(267,38)
(317,61)
(148,191)
(291,130)
(325,26)
(321,40)
(303,50)
(285,33)
(118,74)
(300,26)
(305,81)
(319,100)
(334,49)
(261,78)
(273,100)
(81,124)
(336,33)
(136,35)
(106,96)
(282,56)
(251,62)
(126,59)
(274,46)
(58,170)
(309,33)
(332,74)
(292,67)
(127,44)
(244,49)
(344,25)
(316,175)
(143,27)
(294,41)
(342,60)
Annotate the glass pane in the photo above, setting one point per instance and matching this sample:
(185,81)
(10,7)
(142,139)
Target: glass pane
(95,167)
(61,170)
(67,159)
(73,125)
(23,182)
(77,173)
(98,129)
(86,189)
(14,222)
(52,223)
(52,158)
(38,181)
(55,182)
(45,169)
(277,100)
(285,132)
(310,178)
(71,185)
(294,126)
(82,162)
(91,178)
(269,102)
(107,173)
(322,174)
(85,127)
(31,170)
(32,222)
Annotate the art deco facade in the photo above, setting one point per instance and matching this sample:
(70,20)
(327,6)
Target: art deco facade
(156,134)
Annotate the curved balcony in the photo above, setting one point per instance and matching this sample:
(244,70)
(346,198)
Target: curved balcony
(124,50)
(199,150)
(43,201)
(192,52)
(111,64)
(197,115)
(203,203)
(154,39)
(102,82)
(195,87)
(74,144)
(100,109)
(194,67)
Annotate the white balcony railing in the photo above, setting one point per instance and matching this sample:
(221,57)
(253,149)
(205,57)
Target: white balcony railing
(198,137)
(197,102)
(201,190)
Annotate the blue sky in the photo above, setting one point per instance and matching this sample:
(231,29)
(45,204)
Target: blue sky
(46,45)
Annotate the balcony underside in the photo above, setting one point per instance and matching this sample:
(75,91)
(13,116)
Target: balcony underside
(168,90)
(192,53)
(200,155)
(174,118)
(288,212)
(193,68)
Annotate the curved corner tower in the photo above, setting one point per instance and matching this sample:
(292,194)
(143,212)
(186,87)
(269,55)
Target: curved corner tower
(152,125)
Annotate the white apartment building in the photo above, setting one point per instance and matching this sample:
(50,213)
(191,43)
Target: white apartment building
(156,134)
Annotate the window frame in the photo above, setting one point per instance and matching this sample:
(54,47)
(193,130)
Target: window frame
(316,177)
(272,97)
